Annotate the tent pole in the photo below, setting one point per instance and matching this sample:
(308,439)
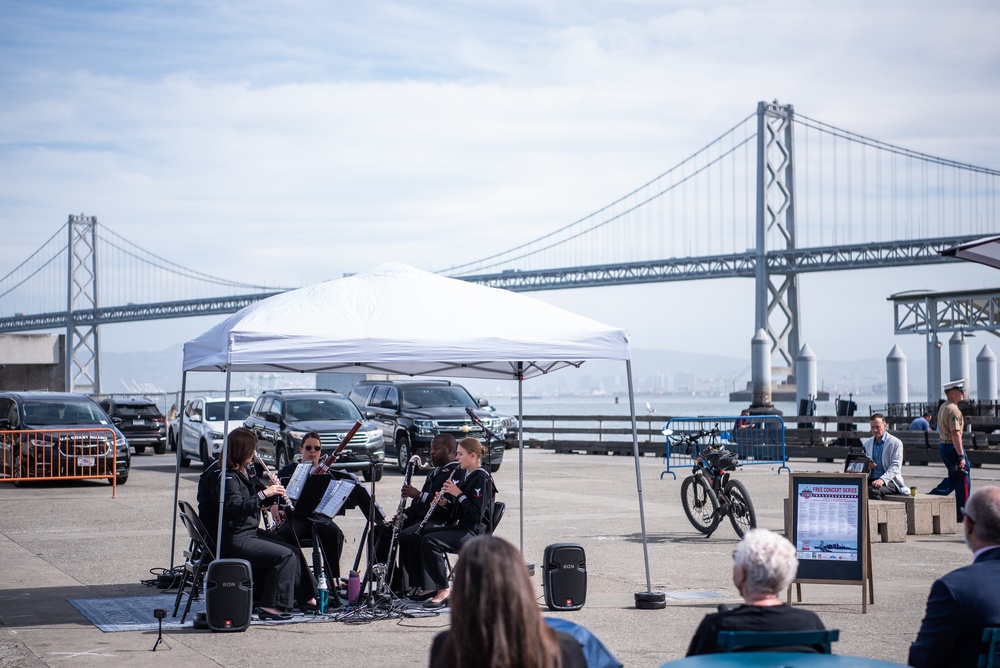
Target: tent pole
(222,465)
(520,449)
(177,470)
(648,599)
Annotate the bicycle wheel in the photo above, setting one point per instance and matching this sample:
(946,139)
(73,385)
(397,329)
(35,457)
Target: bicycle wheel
(700,503)
(741,512)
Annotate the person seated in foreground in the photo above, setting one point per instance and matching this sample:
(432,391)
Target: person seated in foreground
(885,471)
(967,600)
(764,564)
(495,618)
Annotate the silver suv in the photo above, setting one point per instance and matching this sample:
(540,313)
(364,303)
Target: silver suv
(204,418)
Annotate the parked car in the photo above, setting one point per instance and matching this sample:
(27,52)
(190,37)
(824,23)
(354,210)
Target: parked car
(412,412)
(71,417)
(141,421)
(280,419)
(203,434)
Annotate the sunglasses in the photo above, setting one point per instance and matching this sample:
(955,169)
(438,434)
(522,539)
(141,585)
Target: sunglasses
(317,448)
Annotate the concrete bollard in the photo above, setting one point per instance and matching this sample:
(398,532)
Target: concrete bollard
(895,377)
(805,376)
(958,359)
(986,375)
(760,364)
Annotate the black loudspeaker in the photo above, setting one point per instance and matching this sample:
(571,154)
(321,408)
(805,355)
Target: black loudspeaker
(564,576)
(229,595)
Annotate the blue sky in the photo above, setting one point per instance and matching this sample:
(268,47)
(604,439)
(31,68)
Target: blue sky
(289,142)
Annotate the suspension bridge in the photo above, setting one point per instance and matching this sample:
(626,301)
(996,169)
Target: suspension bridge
(776,195)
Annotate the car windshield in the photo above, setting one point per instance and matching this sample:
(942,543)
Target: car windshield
(238,410)
(421,397)
(132,410)
(304,410)
(54,413)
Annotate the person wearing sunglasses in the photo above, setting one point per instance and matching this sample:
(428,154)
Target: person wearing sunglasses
(294,526)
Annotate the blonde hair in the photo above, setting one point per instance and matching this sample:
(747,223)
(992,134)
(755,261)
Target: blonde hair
(473,446)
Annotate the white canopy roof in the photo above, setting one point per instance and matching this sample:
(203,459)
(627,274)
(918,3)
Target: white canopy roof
(401,320)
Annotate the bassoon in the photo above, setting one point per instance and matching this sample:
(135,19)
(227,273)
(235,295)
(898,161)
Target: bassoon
(324,466)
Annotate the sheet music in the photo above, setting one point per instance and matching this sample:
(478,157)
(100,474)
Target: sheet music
(334,498)
(295,486)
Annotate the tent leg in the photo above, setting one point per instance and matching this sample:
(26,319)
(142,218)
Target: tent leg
(177,472)
(646,600)
(225,453)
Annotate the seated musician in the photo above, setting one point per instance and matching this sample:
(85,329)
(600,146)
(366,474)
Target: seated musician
(471,500)
(443,459)
(278,567)
(295,525)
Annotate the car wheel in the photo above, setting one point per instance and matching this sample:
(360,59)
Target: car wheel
(121,480)
(280,457)
(185,461)
(18,469)
(377,475)
(172,440)
(160,448)
(402,451)
(495,467)
(139,449)
(203,453)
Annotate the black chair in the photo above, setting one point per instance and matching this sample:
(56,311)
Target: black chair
(992,656)
(498,510)
(730,640)
(197,556)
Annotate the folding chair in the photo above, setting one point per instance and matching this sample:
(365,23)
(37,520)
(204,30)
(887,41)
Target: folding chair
(730,640)
(197,556)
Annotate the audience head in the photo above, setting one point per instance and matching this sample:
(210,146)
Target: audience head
(982,517)
(495,619)
(240,447)
(764,564)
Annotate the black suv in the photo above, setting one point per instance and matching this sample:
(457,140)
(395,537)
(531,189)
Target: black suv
(52,434)
(141,421)
(412,412)
(280,418)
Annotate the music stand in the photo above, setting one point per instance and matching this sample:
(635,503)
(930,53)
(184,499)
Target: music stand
(305,510)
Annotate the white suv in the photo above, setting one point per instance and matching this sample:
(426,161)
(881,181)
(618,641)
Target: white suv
(204,418)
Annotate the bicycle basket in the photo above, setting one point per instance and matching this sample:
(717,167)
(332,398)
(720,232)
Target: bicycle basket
(722,459)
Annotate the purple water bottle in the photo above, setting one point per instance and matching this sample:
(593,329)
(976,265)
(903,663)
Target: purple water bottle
(353,586)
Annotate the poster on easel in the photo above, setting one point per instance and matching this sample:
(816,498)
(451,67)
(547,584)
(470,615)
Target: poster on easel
(829,529)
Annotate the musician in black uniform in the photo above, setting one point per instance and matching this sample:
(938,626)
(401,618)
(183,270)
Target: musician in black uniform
(443,459)
(471,505)
(277,566)
(295,526)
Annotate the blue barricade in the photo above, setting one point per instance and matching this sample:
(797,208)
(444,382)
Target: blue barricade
(754,439)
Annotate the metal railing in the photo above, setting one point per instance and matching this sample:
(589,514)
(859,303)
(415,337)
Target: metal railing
(59,454)
(754,440)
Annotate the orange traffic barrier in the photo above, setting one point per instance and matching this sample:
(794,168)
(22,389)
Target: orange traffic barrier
(59,454)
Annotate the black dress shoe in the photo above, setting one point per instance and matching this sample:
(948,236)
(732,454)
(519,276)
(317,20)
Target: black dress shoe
(434,605)
(264,616)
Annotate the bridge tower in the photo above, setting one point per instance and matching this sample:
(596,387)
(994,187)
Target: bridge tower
(777,294)
(83,352)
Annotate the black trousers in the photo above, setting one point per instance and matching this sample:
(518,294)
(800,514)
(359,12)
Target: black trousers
(331,540)
(277,570)
(434,544)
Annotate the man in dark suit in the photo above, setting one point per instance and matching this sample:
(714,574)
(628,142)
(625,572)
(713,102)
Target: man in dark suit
(967,600)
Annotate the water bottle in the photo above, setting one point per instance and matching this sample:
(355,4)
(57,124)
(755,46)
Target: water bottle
(322,590)
(353,586)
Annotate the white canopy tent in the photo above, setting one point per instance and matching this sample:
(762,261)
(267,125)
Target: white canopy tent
(395,319)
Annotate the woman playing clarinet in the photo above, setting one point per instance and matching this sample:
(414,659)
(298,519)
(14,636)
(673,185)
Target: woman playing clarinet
(471,500)
(276,563)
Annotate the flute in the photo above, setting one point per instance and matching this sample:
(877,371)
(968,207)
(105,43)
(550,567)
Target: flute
(435,500)
(274,481)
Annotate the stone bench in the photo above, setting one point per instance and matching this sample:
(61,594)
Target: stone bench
(886,521)
(927,514)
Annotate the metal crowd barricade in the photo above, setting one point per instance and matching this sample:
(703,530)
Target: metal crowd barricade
(754,439)
(59,454)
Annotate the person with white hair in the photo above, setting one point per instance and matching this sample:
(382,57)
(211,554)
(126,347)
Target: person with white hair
(764,564)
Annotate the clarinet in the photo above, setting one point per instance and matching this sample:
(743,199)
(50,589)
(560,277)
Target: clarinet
(434,502)
(274,481)
(397,522)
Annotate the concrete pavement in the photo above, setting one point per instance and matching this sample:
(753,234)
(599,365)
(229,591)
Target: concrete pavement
(72,540)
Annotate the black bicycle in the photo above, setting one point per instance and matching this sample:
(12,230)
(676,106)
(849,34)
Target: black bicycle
(710,494)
